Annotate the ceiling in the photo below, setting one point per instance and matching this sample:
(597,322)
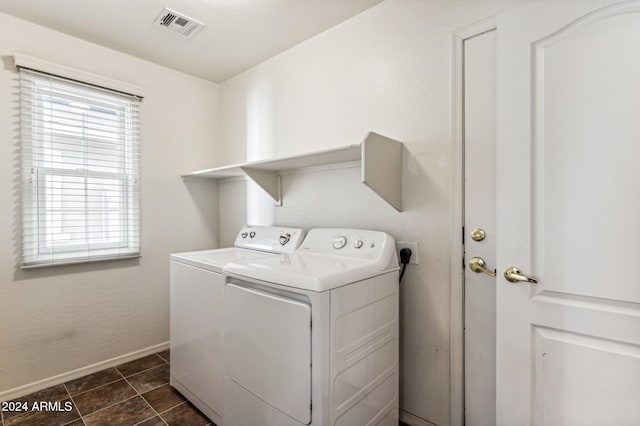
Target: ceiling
(238,34)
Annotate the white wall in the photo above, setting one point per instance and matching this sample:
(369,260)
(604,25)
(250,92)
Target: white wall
(386,70)
(57,319)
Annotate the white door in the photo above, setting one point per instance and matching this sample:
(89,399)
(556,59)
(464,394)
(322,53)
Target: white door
(480,229)
(568,347)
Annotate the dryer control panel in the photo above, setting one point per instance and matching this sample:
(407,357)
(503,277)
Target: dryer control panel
(274,239)
(348,242)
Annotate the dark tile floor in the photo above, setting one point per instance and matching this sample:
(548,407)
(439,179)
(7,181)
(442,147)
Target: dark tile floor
(134,393)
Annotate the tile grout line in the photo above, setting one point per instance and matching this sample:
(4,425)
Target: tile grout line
(152,389)
(79,418)
(73,402)
(142,421)
(142,371)
(177,405)
(92,389)
(148,390)
(186,401)
(163,358)
(108,406)
(170,408)
(143,398)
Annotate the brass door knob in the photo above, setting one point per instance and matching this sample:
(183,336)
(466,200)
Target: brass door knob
(515,275)
(478,234)
(478,265)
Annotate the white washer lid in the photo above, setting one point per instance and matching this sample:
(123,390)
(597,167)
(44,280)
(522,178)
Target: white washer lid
(214,260)
(308,271)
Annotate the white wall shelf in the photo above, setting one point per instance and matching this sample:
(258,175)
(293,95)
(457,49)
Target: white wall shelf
(380,158)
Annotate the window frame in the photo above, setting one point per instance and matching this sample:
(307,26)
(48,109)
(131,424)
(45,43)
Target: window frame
(39,248)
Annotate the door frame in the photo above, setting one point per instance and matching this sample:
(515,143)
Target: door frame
(456,255)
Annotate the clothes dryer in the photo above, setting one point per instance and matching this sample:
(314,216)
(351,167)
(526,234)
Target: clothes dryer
(311,337)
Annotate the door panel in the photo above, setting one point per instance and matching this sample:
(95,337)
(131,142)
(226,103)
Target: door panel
(568,207)
(480,212)
(572,370)
(268,348)
(586,101)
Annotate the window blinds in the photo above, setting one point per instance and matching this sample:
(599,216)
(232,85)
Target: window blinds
(80,171)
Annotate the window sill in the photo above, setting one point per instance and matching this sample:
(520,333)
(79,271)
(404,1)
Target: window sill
(36,265)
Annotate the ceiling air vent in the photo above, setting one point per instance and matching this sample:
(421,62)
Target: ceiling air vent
(178,23)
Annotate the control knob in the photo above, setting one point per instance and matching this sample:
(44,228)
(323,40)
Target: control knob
(284,239)
(339,242)
(244,235)
(252,234)
(357,244)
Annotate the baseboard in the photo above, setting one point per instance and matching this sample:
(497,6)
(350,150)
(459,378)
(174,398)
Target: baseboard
(413,420)
(79,372)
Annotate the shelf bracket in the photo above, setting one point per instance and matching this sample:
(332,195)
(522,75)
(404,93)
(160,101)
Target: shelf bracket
(270,181)
(382,168)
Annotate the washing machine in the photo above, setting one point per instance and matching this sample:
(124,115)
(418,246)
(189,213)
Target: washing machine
(196,312)
(311,337)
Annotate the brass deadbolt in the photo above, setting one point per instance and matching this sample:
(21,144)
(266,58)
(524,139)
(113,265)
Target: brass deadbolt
(478,234)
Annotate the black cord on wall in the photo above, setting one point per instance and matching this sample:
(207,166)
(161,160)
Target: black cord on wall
(405,256)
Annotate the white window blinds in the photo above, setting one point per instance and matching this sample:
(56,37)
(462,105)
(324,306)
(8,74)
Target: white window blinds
(80,171)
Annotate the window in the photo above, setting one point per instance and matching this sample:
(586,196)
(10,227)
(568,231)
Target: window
(80,171)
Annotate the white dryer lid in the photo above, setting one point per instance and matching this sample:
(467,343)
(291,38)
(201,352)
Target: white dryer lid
(308,271)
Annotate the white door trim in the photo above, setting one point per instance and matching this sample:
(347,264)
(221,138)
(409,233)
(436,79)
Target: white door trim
(456,255)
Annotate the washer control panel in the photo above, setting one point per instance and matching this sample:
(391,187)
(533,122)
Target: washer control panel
(270,238)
